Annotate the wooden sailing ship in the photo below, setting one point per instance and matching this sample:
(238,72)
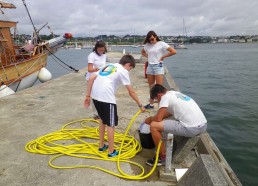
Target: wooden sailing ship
(21,66)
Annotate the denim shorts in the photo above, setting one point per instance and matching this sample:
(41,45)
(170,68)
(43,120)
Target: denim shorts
(155,69)
(176,128)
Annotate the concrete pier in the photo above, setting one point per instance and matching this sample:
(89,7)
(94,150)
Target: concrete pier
(45,108)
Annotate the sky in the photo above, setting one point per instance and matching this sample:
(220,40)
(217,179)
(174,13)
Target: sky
(90,18)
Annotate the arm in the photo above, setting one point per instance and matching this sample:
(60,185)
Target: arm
(171,51)
(143,52)
(91,69)
(134,96)
(161,114)
(88,91)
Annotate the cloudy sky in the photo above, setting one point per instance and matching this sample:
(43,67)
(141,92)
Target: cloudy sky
(121,17)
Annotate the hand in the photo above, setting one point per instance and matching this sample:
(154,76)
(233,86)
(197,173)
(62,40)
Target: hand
(96,69)
(87,102)
(148,120)
(143,109)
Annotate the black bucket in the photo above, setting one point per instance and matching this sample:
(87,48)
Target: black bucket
(146,140)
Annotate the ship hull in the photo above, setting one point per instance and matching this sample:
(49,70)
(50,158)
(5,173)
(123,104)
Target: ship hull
(23,74)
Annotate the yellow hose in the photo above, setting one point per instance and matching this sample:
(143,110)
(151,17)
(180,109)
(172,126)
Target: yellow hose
(52,144)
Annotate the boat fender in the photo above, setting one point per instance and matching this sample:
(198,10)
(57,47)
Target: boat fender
(5,91)
(44,75)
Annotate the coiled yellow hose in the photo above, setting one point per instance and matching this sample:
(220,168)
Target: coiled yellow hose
(52,144)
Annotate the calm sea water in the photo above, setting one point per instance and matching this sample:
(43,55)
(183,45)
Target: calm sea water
(223,80)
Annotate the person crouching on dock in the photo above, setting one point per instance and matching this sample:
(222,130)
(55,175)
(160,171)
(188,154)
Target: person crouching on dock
(188,119)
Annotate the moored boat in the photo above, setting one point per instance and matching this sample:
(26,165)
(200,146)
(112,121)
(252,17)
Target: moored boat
(180,46)
(20,66)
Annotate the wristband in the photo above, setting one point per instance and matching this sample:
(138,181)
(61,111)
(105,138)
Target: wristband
(140,105)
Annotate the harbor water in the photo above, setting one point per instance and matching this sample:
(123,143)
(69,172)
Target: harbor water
(222,79)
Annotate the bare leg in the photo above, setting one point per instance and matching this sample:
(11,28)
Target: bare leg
(102,129)
(159,79)
(151,81)
(156,129)
(110,133)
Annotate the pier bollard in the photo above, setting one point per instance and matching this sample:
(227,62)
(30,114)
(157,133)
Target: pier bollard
(167,174)
(169,148)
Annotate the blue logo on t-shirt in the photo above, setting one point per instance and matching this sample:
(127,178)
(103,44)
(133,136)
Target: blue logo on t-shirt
(182,96)
(108,69)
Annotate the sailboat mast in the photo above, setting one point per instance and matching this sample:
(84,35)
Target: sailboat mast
(35,30)
(184,28)
(134,37)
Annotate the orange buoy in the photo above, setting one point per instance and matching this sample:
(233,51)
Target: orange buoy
(68,35)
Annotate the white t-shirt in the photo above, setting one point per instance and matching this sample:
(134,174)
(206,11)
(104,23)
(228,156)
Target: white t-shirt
(155,51)
(97,61)
(108,80)
(183,108)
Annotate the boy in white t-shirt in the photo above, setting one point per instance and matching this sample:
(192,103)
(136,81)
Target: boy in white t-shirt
(101,88)
(188,120)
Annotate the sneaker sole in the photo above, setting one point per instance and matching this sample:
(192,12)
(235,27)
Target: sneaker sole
(103,150)
(158,164)
(113,155)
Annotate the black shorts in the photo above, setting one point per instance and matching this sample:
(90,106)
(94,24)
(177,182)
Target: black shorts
(107,112)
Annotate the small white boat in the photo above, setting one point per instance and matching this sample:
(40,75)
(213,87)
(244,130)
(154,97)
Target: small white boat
(134,46)
(180,46)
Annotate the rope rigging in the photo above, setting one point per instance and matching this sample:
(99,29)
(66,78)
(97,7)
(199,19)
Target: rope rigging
(75,70)
(38,39)
(35,40)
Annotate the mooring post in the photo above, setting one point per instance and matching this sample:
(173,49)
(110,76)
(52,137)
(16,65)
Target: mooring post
(167,174)
(169,148)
